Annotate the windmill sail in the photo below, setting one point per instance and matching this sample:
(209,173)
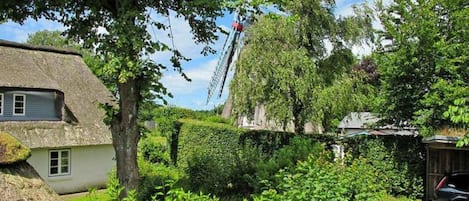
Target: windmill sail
(229,52)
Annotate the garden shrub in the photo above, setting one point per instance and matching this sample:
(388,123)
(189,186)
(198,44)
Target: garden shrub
(181,195)
(320,178)
(299,149)
(156,179)
(113,188)
(399,160)
(155,149)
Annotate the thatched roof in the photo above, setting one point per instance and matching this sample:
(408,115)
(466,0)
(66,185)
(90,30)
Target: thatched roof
(49,134)
(28,66)
(20,181)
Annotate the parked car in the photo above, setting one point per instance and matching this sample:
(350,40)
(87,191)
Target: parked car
(453,187)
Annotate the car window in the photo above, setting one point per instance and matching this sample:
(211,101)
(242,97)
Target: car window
(460,181)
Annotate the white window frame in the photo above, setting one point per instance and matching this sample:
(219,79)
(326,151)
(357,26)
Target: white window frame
(59,165)
(2,103)
(14,104)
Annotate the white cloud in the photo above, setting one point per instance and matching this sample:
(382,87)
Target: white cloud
(19,33)
(200,76)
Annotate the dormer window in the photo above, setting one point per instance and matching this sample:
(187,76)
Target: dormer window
(19,104)
(1,104)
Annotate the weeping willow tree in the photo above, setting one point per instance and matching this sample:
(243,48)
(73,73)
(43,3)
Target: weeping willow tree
(286,67)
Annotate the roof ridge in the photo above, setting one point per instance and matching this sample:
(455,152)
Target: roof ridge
(38,48)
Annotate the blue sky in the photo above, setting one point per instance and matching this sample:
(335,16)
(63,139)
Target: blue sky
(200,69)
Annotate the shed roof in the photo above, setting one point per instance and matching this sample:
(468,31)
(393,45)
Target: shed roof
(440,139)
(28,66)
(360,120)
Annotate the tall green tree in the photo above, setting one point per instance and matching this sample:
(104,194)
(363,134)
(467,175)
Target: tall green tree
(125,47)
(50,38)
(424,65)
(285,64)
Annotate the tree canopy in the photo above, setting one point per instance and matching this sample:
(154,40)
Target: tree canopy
(424,65)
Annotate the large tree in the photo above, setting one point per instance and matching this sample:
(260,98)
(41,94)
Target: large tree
(285,64)
(125,47)
(424,65)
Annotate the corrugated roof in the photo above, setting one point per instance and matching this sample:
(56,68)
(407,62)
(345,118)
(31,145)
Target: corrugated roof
(51,68)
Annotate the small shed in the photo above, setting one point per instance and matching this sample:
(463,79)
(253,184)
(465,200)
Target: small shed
(443,157)
(366,123)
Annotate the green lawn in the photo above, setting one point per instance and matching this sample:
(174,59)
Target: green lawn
(94,196)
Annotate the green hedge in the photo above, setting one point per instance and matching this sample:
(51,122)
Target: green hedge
(270,141)
(197,137)
(208,152)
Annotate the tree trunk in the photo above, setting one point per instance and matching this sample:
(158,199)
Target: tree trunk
(125,136)
(298,121)
(299,125)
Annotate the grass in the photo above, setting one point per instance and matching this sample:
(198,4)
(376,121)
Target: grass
(93,195)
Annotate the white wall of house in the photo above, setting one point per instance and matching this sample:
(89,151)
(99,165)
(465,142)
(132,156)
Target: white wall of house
(89,168)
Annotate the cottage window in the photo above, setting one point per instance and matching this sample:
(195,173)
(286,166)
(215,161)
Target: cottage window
(19,104)
(1,104)
(59,162)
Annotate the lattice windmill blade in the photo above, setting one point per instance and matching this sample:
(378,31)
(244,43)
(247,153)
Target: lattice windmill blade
(229,51)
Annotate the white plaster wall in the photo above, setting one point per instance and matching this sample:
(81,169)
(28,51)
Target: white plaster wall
(90,166)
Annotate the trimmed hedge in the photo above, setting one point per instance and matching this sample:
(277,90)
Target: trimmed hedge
(270,141)
(197,137)
(208,152)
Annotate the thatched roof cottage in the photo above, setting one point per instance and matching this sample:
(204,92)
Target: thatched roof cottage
(49,100)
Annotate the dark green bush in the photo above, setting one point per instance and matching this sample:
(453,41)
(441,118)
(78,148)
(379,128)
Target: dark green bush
(265,140)
(399,160)
(155,149)
(299,149)
(270,141)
